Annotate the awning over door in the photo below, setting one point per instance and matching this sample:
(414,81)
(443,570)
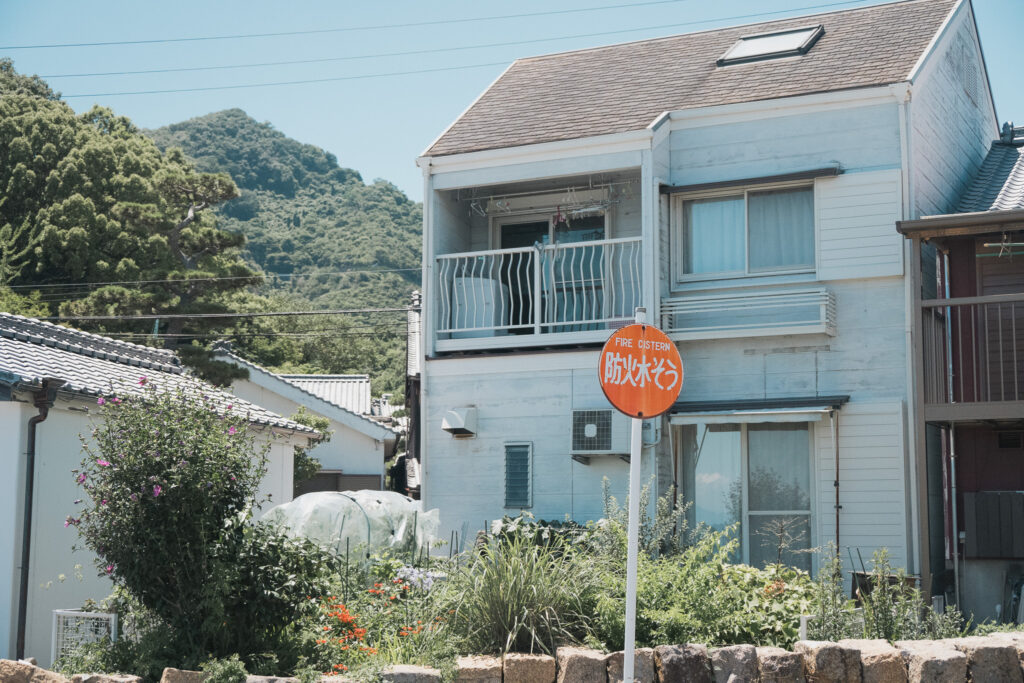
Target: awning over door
(798,409)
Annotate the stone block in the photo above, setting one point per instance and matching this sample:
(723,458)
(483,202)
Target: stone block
(643,665)
(478,669)
(989,659)
(105,678)
(776,665)
(407,673)
(580,665)
(182,676)
(880,662)
(929,661)
(523,668)
(1016,641)
(735,664)
(25,672)
(683,664)
(826,662)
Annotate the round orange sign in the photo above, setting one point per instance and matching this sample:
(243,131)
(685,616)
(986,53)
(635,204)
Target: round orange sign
(640,370)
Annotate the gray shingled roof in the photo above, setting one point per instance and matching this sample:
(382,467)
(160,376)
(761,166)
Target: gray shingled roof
(626,87)
(93,365)
(999,185)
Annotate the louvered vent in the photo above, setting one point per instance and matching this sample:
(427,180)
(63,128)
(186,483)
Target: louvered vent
(591,431)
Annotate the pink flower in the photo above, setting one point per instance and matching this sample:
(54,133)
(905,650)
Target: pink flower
(100,401)
(103,502)
(110,568)
(230,406)
(231,430)
(117,401)
(102,463)
(142,381)
(81,478)
(156,490)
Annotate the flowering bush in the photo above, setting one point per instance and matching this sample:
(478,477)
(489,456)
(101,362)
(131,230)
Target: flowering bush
(170,484)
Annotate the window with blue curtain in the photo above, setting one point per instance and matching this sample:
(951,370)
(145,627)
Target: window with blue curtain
(518,475)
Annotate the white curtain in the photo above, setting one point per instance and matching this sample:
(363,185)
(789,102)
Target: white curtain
(714,240)
(781,229)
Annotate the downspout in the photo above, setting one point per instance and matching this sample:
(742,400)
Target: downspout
(835,448)
(43,400)
(956,531)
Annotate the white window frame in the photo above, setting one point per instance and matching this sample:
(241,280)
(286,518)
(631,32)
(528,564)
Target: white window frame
(745,512)
(677,222)
(504,469)
(532,216)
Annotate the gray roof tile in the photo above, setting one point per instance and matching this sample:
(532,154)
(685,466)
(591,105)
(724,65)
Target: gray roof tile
(625,87)
(999,185)
(94,365)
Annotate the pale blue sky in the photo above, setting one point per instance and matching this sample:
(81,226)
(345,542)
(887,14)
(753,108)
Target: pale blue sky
(377,125)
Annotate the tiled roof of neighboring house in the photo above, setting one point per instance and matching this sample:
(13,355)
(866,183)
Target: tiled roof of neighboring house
(351,392)
(92,365)
(626,87)
(225,355)
(999,185)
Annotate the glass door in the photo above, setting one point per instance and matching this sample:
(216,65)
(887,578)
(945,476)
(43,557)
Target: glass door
(516,271)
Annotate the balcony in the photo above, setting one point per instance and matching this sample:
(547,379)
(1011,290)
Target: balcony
(543,295)
(973,353)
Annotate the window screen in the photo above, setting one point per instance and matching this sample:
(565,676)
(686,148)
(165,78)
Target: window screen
(517,475)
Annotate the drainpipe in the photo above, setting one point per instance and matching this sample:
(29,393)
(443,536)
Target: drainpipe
(833,419)
(956,530)
(43,400)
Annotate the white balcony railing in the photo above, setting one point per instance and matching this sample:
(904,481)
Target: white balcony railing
(753,313)
(540,290)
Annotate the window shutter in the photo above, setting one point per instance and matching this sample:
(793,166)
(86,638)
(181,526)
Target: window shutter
(517,475)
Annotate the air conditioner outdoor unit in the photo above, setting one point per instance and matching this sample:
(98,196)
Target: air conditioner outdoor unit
(599,432)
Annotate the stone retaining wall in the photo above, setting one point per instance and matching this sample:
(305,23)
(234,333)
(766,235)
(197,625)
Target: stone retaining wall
(998,658)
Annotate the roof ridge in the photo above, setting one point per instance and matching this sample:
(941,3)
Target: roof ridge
(71,339)
(720,28)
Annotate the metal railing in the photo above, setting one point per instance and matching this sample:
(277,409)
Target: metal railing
(538,290)
(973,349)
(749,313)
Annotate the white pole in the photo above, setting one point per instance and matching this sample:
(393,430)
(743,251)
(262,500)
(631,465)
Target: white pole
(633,535)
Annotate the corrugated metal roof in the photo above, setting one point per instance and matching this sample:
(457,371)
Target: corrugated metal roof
(626,87)
(94,365)
(351,392)
(999,185)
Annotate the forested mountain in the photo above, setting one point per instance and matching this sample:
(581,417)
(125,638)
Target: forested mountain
(97,219)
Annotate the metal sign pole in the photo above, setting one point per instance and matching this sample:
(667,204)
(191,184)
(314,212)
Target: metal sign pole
(633,534)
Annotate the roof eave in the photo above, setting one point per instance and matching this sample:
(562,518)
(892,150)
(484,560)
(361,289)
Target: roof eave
(953,224)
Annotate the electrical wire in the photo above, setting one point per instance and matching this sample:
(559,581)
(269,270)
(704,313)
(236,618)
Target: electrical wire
(447,68)
(265,314)
(269,277)
(378,27)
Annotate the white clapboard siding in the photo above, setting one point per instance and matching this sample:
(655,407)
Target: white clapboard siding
(856,217)
(872,482)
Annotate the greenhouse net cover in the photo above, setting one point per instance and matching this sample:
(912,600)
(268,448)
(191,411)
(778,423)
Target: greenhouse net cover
(347,520)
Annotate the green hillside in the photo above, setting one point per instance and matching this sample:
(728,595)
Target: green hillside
(336,241)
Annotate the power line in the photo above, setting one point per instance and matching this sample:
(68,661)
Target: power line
(450,68)
(193,316)
(268,277)
(345,29)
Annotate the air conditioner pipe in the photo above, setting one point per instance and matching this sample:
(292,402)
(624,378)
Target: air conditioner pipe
(43,401)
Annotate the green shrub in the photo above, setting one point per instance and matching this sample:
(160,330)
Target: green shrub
(230,670)
(666,534)
(171,485)
(513,595)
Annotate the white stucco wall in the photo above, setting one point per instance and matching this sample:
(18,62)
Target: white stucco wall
(348,450)
(60,578)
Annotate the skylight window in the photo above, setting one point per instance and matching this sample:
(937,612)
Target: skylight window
(762,46)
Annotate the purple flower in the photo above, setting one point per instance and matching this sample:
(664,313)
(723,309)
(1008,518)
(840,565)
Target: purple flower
(102,463)
(231,430)
(69,520)
(103,502)
(100,401)
(80,478)
(134,497)
(156,490)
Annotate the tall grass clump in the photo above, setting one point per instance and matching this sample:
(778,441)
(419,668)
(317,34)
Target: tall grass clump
(515,595)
